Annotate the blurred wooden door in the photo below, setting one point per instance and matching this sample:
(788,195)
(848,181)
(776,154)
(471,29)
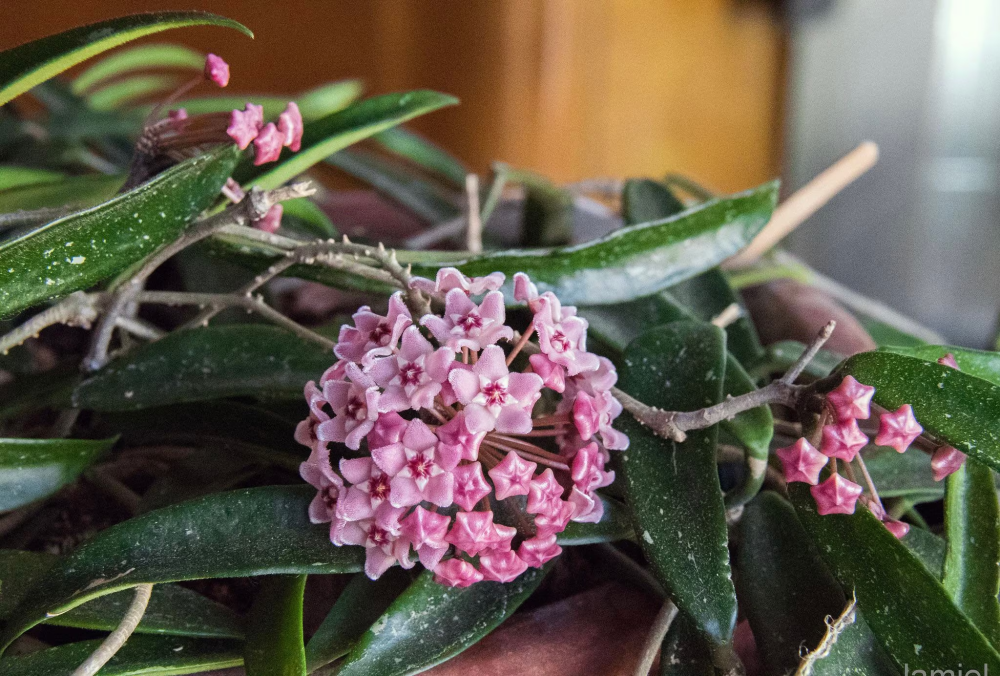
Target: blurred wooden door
(571,88)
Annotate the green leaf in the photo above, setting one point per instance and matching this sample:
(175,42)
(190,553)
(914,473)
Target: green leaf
(903,475)
(80,250)
(31,469)
(423,153)
(27,65)
(614,525)
(141,655)
(361,603)
(15,177)
(256,531)
(274,645)
(615,326)
(972,562)
(905,606)
(980,363)
(401,185)
(927,547)
(430,623)
(336,131)
(956,408)
(783,354)
(784,587)
(117,94)
(645,200)
(172,609)
(684,651)
(673,488)
(77,191)
(307,214)
(327,98)
(252,360)
(883,334)
(139,58)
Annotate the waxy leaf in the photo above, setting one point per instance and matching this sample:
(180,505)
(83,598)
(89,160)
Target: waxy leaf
(251,360)
(903,475)
(684,651)
(138,58)
(27,65)
(783,585)
(327,135)
(256,531)
(141,655)
(78,251)
(927,547)
(430,623)
(361,603)
(955,407)
(31,469)
(645,200)
(172,609)
(673,488)
(274,645)
(972,562)
(980,363)
(71,191)
(15,177)
(904,604)
(118,94)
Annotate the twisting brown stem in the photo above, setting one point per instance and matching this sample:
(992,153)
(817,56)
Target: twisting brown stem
(116,639)
(661,625)
(77,309)
(673,424)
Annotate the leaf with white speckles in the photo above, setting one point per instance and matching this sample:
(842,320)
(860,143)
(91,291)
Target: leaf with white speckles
(673,488)
(430,623)
(31,469)
(255,531)
(85,248)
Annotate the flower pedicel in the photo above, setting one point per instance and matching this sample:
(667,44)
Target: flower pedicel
(466,457)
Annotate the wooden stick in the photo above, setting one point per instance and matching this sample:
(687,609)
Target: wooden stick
(806,201)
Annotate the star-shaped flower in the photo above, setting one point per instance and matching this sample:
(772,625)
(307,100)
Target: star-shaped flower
(537,551)
(946,460)
(474,532)
(419,470)
(595,414)
(843,440)
(425,531)
(290,127)
(563,341)
(470,485)
(455,435)
(500,566)
(555,521)
(587,507)
(372,334)
(544,494)
(452,278)
(552,374)
(588,472)
(244,125)
(851,399)
(267,145)
(370,489)
(495,398)
(836,495)
(512,476)
(898,429)
(466,324)
(320,474)
(456,573)
(412,377)
(802,462)
(380,537)
(355,408)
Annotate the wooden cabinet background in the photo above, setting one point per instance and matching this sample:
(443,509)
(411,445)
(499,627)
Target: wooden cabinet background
(571,88)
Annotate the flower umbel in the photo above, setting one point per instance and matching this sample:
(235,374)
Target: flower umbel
(463,465)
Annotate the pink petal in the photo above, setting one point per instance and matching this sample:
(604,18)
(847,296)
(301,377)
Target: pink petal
(216,70)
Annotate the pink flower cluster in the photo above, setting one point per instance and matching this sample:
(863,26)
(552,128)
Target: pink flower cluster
(843,440)
(460,462)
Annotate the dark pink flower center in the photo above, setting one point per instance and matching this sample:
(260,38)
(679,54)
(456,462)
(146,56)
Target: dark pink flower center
(409,374)
(356,408)
(471,321)
(381,333)
(379,487)
(559,342)
(378,536)
(420,466)
(495,393)
(330,497)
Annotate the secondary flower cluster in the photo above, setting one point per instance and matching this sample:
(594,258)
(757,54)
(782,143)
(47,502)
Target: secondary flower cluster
(468,458)
(179,135)
(843,440)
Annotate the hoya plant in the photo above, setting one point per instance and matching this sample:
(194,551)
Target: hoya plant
(252,422)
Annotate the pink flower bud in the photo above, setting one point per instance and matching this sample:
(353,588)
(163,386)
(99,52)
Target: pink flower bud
(802,462)
(897,528)
(836,495)
(512,476)
(267,145)
(290,126)
(946,460)
(843,440)
(898,429)
(948,360)
(851,399)
(216,70)
(456,573)
(244,125)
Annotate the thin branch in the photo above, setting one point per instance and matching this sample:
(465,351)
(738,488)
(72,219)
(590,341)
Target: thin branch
(253,208)
(77,309)
(673,424)
(661,625)
(224,300)
(116,639)
(140,328)
(730,314)
(260,280)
